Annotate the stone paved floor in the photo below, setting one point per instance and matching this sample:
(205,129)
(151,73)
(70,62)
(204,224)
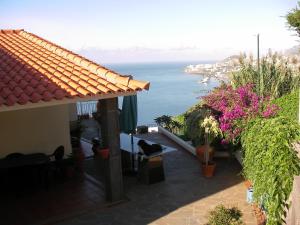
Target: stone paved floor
(26,206)
(185,198)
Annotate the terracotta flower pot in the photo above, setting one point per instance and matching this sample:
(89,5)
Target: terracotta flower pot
(260,215)
(104,153)
(208,170)
(70,171)
(248,184)
(79,158)
(200,151)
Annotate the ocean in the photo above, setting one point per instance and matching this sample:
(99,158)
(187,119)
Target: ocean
(172,91)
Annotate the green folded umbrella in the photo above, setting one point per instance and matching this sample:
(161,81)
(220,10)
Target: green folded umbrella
(128,119)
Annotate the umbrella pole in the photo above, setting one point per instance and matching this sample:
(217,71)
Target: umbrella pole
(132,153)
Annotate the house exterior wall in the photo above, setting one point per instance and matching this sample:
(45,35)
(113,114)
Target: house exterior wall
(73,112)
(35,130)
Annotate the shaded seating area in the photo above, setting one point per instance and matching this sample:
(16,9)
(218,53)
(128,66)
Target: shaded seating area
(19,171)
(29,172)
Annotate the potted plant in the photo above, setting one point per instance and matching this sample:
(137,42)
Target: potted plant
(78,153)
(223,215)
(99,148)
(200,151)
(212,130)
(69,166)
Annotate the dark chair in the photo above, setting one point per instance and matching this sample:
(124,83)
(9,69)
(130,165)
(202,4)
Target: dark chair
(15,155)
(58,154)
(55,169)
(13,177)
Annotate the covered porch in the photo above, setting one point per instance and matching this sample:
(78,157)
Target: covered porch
(185,197)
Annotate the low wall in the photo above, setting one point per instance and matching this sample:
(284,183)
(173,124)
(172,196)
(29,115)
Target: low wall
(177,140)
(293,217)
(185,145)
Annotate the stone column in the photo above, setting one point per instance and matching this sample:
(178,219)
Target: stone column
(110,132)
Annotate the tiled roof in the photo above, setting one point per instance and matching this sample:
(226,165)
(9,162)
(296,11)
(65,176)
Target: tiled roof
(34,70)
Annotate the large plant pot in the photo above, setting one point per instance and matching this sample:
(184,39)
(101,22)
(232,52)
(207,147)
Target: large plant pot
(79,158)
(200,151)
(70,171)
(104,153)
(248,184)
(208,170)
(260,215)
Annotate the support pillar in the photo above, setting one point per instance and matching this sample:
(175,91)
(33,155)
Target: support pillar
(110,133)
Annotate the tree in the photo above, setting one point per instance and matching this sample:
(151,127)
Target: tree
(293,19)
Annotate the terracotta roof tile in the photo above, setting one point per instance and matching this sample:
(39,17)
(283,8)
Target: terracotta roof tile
(23,99)
(2,101)
(11,100)
(47,96)
(35,97)
(33,69)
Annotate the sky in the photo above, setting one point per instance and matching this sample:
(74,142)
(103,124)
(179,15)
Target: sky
(152,30)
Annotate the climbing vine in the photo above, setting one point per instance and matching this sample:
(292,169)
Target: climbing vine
(271,163)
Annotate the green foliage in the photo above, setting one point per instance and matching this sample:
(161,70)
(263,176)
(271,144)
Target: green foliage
(289,105)
(179,118)
(293,19)
(168,123)
(222,215)
(193,119)
(277,77)
(271,163)
(164,121)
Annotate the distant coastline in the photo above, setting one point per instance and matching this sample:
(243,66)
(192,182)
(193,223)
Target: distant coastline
(218,70)
(221,70)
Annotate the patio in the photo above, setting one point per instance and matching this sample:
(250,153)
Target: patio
(185,197)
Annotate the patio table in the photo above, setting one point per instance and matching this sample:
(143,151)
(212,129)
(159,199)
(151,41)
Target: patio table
(129,149)
(34,159)
(125,145)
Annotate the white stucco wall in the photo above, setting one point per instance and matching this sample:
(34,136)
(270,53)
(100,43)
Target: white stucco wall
(35,130)
(73,112)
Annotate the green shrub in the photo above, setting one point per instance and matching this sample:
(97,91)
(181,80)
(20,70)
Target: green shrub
(271,162)
(193,118)
(168,123)
(289,105)
(222,215)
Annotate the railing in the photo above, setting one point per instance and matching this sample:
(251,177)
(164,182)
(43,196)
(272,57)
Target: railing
(84,108)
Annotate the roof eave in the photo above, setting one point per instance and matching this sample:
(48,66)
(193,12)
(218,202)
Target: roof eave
(64,101)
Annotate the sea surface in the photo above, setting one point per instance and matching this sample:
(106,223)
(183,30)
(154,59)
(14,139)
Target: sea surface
(172,91)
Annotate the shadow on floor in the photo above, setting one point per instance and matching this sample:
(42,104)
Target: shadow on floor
(183,186)
(29,206)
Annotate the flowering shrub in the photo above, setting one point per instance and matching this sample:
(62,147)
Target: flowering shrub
(234,107)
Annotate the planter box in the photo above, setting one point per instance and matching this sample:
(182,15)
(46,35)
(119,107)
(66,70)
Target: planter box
(187,144)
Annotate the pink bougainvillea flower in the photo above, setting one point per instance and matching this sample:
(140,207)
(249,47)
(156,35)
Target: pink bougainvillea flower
(236,107)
